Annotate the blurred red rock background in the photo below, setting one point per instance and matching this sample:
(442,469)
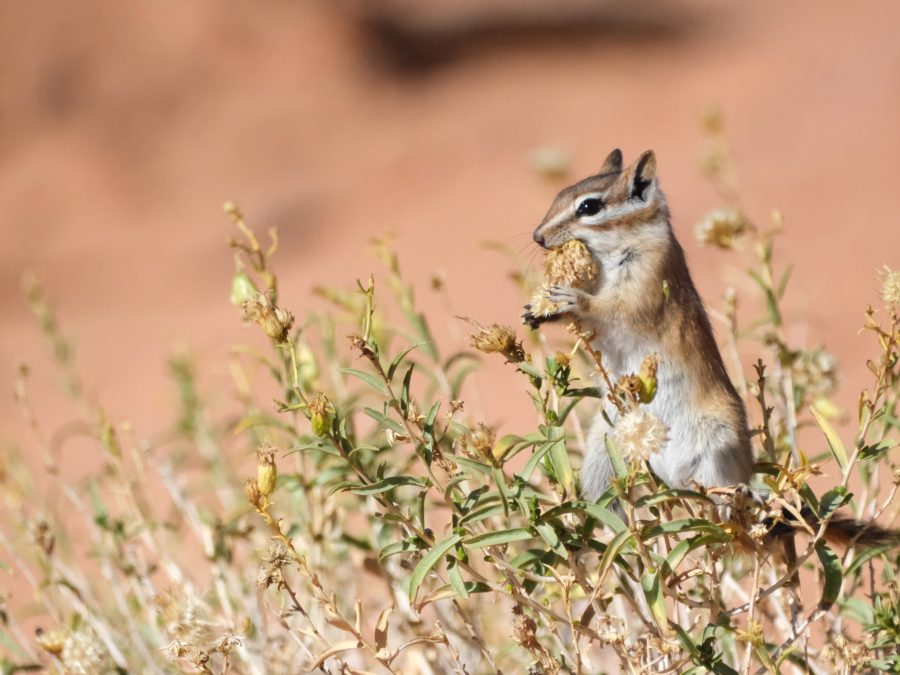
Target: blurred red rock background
(125,126)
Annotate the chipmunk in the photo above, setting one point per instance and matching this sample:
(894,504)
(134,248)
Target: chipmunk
(644,301)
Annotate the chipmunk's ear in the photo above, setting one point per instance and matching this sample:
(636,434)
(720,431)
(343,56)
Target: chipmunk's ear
(643,174)
(613,163)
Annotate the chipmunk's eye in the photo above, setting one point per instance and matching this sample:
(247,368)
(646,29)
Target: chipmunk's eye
(589,207)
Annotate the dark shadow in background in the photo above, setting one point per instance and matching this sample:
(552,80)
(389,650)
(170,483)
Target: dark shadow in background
(415,40)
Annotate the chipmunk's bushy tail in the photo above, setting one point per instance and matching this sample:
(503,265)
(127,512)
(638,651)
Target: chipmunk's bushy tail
(842,530)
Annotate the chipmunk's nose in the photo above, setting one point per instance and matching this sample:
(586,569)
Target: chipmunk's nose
(539,238)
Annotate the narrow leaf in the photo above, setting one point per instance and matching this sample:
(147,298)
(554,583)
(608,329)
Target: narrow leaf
(834,441)
(369,378)
(831,566)
(428,561)
(497,538)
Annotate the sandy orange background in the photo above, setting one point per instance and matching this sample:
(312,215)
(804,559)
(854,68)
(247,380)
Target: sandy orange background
(124,126)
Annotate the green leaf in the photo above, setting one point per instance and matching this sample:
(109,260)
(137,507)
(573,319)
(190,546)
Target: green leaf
(683,525)
(500,482)
(616,544)
(399,359)
(428,561)
(877,450)
(370,379)
(457,582)
(685,546)
(559,458)
(384,420)
(402,546)
(831,566)
(404,391)
(833,500)
(472,464)
(389,484)
(597,511)
(530,370)
(498,538)
(548,534)
(483,512)
(656,599)
(531,464)
(834,441)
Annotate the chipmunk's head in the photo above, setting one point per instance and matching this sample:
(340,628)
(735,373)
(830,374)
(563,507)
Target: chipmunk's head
(612,210)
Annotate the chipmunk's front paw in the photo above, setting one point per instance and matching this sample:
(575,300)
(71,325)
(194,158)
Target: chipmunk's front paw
(569,300)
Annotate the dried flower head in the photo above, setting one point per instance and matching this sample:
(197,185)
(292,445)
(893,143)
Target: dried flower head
(480,442)
(84,654)
(227,642)
(251,491)
(890,285)
(275,321)
(498,339)
(266,471)
(640,434)
(569,265)
(721,228)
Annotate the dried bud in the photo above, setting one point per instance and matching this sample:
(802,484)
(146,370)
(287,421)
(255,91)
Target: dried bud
(721,228)
(251,490)
(275,321)
(266,471)
(498,339)
(321,414)
(563,359)
(647,376)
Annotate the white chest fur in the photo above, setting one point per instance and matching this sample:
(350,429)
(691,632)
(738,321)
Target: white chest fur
(700,446)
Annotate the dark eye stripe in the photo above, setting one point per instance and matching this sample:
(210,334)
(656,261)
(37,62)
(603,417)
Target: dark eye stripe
(589,207)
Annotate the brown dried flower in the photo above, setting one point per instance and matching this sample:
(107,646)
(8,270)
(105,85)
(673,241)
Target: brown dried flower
(569,265)
(498,339)
(480,442)
(275,321)
(251,490)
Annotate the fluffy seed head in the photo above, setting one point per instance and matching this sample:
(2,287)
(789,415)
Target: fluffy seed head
(640,434)
(890,285)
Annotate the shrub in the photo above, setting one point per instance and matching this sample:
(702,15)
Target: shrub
(385,528)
